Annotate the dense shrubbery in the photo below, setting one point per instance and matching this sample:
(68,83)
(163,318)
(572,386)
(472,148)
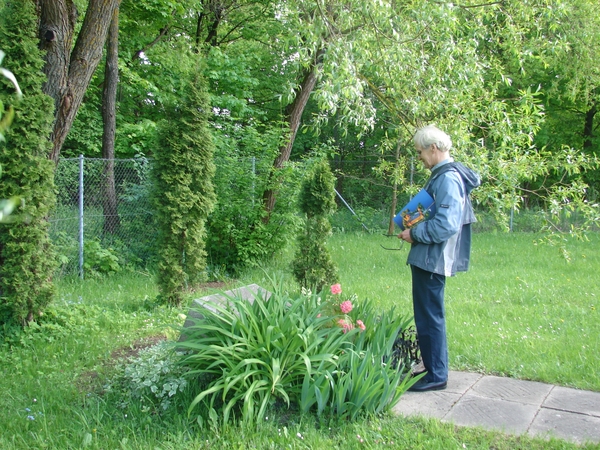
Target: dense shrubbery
(237,235)
(27,258)
(182,191)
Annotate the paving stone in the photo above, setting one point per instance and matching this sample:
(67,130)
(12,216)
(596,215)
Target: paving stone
(434,404)
(509,405)
(490,413)
(529,392)
(578,428)
(574,400)
(461,382)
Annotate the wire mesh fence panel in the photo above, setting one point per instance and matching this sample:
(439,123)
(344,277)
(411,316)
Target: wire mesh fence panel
(103,213)
(104,221)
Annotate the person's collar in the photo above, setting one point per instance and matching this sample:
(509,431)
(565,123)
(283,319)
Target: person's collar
(449,159)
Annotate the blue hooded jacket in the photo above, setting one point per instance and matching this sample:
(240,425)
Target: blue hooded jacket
(442,244)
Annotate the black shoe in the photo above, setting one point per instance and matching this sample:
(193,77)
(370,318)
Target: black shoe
(422,386)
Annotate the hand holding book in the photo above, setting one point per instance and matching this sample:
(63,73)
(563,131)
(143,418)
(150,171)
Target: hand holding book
(420,208)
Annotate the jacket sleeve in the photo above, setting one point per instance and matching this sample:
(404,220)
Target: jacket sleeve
(449,194)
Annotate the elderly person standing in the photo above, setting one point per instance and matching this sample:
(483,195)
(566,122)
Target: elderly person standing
(440,247)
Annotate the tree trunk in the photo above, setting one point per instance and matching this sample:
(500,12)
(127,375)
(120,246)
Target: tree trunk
(394,191)
(109,98)
(588,129)
(69,74)
(57,21)
(294,116)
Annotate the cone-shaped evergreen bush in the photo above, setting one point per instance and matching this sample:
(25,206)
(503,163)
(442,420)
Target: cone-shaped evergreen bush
(312,265)
(183,193)
(27,261)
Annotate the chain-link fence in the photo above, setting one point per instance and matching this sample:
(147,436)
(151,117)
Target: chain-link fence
(104,221)
(102,211)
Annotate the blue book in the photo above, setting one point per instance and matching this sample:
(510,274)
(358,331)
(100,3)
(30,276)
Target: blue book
(420,208)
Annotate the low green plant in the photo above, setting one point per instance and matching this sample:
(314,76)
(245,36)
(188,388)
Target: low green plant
(292,349)
(153,377)
(99,260)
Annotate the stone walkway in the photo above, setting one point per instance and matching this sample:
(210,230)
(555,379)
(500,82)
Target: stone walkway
(511,406)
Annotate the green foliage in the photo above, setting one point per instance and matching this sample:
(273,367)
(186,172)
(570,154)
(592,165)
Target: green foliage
(26,255)
(313,266)
(317,195)
(183,194)
(153,377)
(6,116)
(237,236)
(99,260)
(289,349)
(137,218)
(85,135)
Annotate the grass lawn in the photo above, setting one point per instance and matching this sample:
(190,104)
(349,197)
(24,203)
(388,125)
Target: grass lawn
(521,311)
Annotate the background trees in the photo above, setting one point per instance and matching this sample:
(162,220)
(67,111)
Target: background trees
(515,83)
(69,69)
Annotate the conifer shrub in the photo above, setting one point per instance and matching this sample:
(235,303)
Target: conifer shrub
(27,259)
(313,266)
(183,194)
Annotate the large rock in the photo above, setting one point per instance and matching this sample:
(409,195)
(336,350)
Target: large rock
(249,293)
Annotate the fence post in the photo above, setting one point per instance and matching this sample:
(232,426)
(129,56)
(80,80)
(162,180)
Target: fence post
(81,216)
(253,177)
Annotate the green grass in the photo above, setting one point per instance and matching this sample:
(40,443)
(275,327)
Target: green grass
(521,311)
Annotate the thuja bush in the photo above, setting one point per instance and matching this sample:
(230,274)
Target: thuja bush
(307,351)
(312,265)
(183,193)
(27,260)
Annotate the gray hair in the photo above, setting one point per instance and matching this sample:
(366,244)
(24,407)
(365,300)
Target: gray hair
(426,136)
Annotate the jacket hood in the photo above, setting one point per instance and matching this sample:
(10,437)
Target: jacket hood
(470,178)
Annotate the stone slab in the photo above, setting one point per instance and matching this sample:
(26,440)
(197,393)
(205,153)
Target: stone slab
(461,382)
(574,400)
(528,392)
(249,292)
(578,428)
(434,404)
(473,410)
(437,404)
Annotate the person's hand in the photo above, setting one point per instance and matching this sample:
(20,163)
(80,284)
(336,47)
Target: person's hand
(405,236)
